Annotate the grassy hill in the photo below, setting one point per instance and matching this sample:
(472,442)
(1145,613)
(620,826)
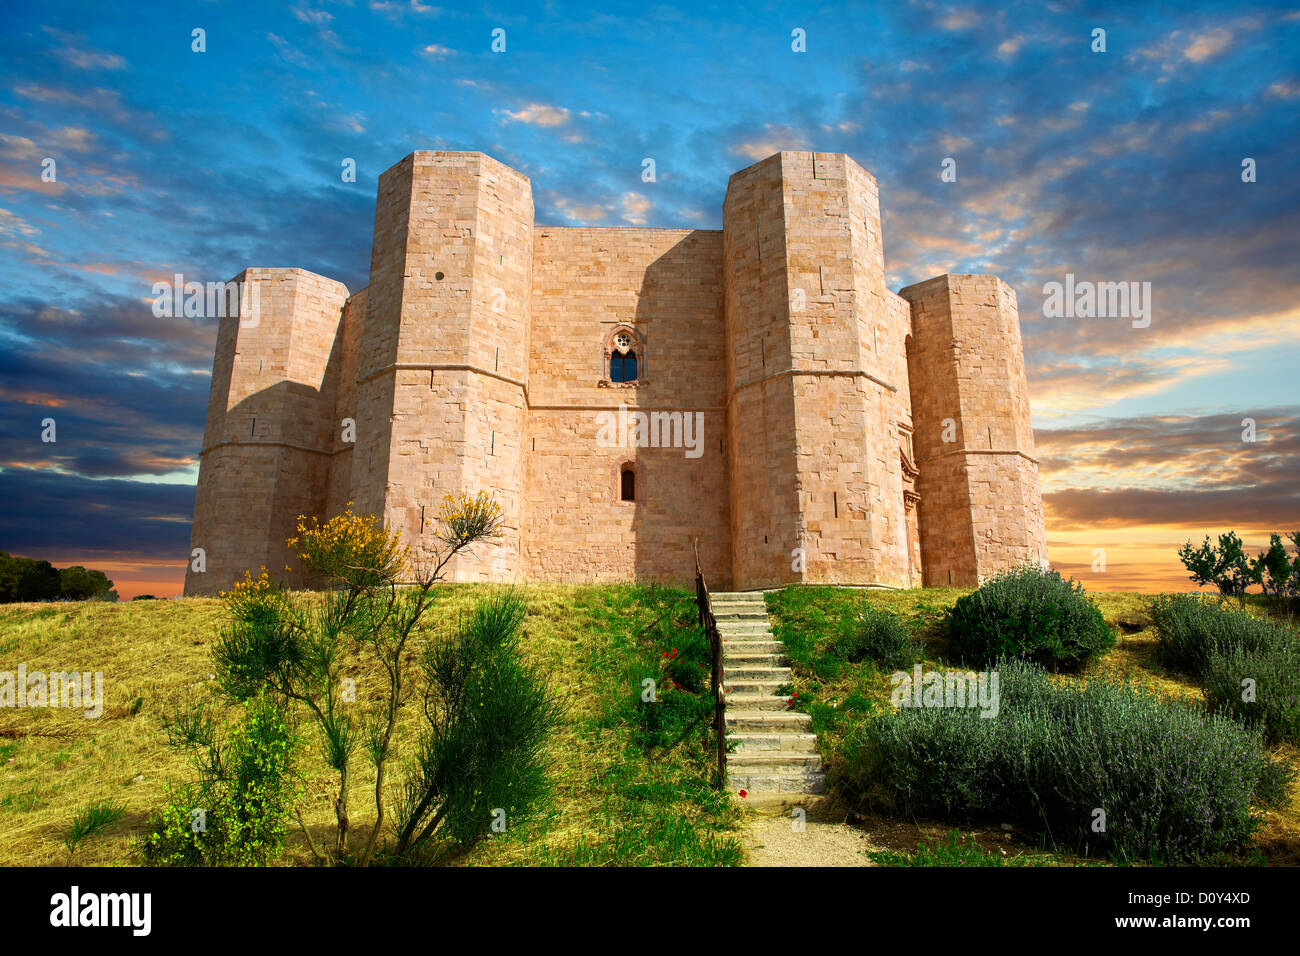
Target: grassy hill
(623,794)
(619,797)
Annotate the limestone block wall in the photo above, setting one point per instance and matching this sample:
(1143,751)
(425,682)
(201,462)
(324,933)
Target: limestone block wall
(265,458)
(981,509)
(665,285)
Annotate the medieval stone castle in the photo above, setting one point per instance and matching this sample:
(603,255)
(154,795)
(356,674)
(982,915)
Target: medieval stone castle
(767,395)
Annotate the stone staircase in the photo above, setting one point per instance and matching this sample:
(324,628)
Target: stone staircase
(776,750)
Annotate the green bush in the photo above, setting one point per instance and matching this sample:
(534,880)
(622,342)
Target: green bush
(1032,614)
(1193,628)
(1173,782)
(482,755)
(1270,699)
(1222,647)
(237,812)
(875,635)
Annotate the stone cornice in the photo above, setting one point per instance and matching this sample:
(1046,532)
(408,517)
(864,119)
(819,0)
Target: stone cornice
(273,444)
(981,451)
(853,372)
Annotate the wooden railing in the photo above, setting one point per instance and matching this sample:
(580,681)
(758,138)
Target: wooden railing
(710,625)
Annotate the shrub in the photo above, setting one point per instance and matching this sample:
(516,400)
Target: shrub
(93,820)
(932,760)
(1173,782)
(237,812)
(1192,628)
(1032,614)
(488,716)
(878,636)
(1271,700)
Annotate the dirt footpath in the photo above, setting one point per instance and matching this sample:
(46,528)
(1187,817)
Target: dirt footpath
(773,837)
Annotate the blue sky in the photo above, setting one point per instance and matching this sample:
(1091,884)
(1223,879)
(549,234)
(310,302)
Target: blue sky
(1115,166)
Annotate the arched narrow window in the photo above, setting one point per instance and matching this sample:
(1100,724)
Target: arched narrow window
(628,484)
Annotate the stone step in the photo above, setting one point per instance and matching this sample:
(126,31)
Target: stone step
(809,782)
(782,762)
(743,672)
(741,613)
(757,703)
(749,686)
(736,596)
(773,742)
(764,721)
(731,657)
(746,632)
(752,647)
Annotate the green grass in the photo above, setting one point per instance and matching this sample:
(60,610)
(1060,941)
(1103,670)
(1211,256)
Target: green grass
(955,850)
(94,819)
(620,795)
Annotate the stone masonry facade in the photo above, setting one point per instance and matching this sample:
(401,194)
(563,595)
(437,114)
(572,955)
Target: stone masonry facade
(791,414)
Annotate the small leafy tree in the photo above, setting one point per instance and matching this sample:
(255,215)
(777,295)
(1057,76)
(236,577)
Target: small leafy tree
(1293,582)
(81,584)
(298,647)
(1273,569)
(37,580)
(1226,566)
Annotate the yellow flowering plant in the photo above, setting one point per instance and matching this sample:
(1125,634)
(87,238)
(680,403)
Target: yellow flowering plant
(468,518)
(356,550)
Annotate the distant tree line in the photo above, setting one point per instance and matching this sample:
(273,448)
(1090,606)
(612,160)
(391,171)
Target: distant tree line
(26,579)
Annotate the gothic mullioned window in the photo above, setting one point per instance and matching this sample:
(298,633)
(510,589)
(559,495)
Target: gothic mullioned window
(623,357)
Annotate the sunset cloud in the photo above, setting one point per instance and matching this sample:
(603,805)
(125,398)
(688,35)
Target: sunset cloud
(1122,166)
